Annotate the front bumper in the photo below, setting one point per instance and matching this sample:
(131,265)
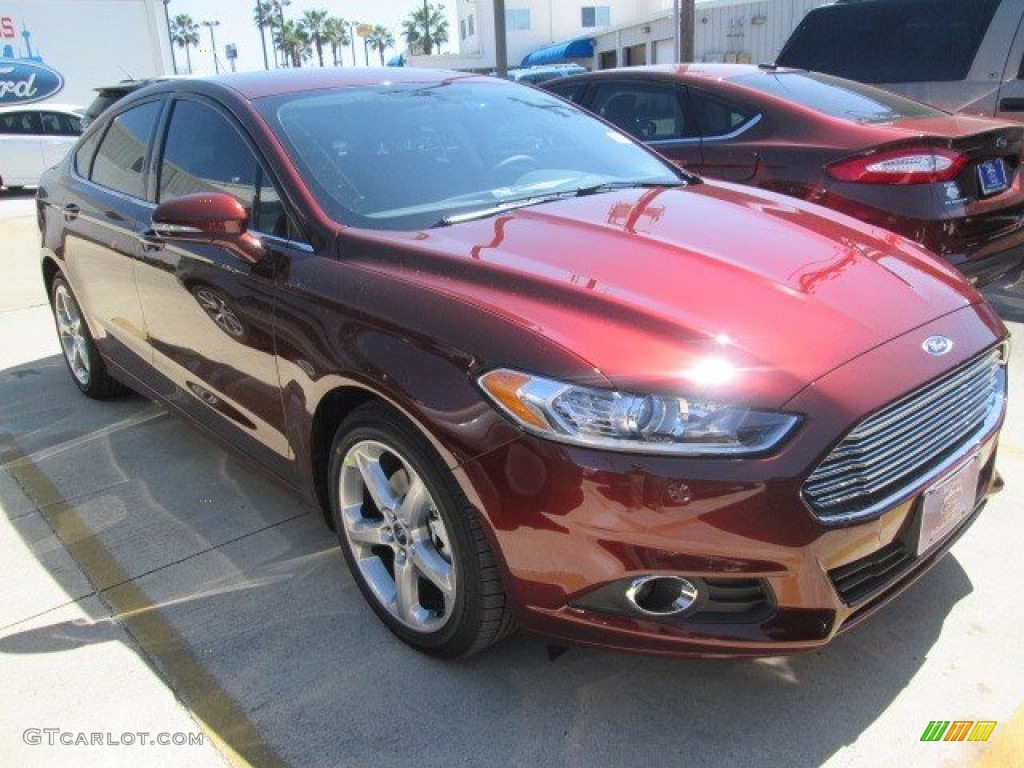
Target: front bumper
(571,523)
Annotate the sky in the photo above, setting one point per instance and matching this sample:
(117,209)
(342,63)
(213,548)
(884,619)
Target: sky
(235,17)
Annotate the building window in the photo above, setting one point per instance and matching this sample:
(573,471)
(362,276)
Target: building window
(596,16)
(472,31)
(462,29)
(517,19)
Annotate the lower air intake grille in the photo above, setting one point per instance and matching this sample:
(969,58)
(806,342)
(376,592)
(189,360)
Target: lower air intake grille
(863,578)
(734,600)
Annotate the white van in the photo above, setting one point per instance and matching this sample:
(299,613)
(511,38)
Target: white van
(958,55)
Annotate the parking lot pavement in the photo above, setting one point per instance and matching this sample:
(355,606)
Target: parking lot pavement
(155,583)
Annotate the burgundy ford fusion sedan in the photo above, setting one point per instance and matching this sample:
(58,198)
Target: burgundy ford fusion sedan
(533,374)
(952,183)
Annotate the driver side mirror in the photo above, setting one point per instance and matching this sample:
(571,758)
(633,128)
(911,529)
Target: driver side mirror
(208,217)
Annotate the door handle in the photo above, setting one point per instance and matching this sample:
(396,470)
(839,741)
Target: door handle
(151,241)
(1011,105)
(71,212)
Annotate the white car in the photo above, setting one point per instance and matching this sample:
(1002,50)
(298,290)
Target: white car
(34,137)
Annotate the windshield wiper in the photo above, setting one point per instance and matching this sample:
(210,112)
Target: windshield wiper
(507,205)
(590,189)
(610,186)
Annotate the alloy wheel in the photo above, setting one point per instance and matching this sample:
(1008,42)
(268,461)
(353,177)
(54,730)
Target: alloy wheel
(397,536)
(72,334)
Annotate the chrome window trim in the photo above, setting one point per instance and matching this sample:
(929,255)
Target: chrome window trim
(739,131)
(283,241)
(699,139)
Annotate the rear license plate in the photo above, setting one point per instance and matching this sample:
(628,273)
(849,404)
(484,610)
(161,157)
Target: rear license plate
(993,177)
(947,503)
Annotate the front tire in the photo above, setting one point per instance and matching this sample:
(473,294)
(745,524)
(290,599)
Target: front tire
(412,541)
(83,359)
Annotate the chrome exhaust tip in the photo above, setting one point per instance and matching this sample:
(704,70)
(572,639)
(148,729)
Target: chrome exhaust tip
(661,595)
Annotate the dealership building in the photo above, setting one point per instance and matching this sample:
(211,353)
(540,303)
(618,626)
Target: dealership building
(619,32)
(60,50)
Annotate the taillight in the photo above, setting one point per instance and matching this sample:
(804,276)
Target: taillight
(915,165)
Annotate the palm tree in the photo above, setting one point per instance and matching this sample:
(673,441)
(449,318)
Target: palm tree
(336,36)
(261,18)
(293,39)
(426,27)
(185,34)
(276,22)
(381,38)
(313,22)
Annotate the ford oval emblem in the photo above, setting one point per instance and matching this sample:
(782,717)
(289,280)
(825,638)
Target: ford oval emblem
(937,345)
(22,82)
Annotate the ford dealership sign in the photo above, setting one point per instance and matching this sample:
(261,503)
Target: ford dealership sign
(22,81)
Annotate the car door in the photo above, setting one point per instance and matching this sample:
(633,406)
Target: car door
(653,112)
(105,208)
(60,132)
(209,311)
(21,148)
(723,128)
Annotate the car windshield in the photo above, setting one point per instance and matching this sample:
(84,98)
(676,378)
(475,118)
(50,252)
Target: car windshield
(411,156)
(837,97)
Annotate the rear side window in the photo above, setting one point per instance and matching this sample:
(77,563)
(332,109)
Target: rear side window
(25,123)
(717,117)
(891,41)
(645,110)
(836,97)
(205,153)
(120,161)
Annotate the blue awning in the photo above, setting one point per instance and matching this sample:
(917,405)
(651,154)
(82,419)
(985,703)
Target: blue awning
(557,53)
(396,61)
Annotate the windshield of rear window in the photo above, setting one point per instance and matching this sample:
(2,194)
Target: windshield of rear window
(405,157)
(837,97)
(891,41)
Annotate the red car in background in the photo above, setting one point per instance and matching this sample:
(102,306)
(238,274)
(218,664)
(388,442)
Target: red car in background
(950,182)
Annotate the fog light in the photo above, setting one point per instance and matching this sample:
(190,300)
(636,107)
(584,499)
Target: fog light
(661,595)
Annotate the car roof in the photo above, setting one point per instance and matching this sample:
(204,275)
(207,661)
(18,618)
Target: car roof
(255,85)
(695,71)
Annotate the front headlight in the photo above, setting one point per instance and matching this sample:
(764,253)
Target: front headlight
(601,418)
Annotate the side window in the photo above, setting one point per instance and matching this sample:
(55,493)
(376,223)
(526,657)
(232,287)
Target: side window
(646,111)
(717,117)
(120,161)
(60,124)
(20,123)
(205,153)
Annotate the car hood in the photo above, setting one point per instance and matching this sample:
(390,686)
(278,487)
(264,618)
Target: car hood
(714,289)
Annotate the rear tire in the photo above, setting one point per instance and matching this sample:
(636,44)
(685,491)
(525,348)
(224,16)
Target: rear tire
(413,542)
(87,368)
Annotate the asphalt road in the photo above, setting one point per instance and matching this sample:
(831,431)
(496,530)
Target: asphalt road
(152,582)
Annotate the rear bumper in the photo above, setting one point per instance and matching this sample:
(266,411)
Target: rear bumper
(987,267)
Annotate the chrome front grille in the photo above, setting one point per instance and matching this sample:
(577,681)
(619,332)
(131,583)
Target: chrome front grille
(908,441)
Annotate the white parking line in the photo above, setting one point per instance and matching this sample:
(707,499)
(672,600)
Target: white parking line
(149,414)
